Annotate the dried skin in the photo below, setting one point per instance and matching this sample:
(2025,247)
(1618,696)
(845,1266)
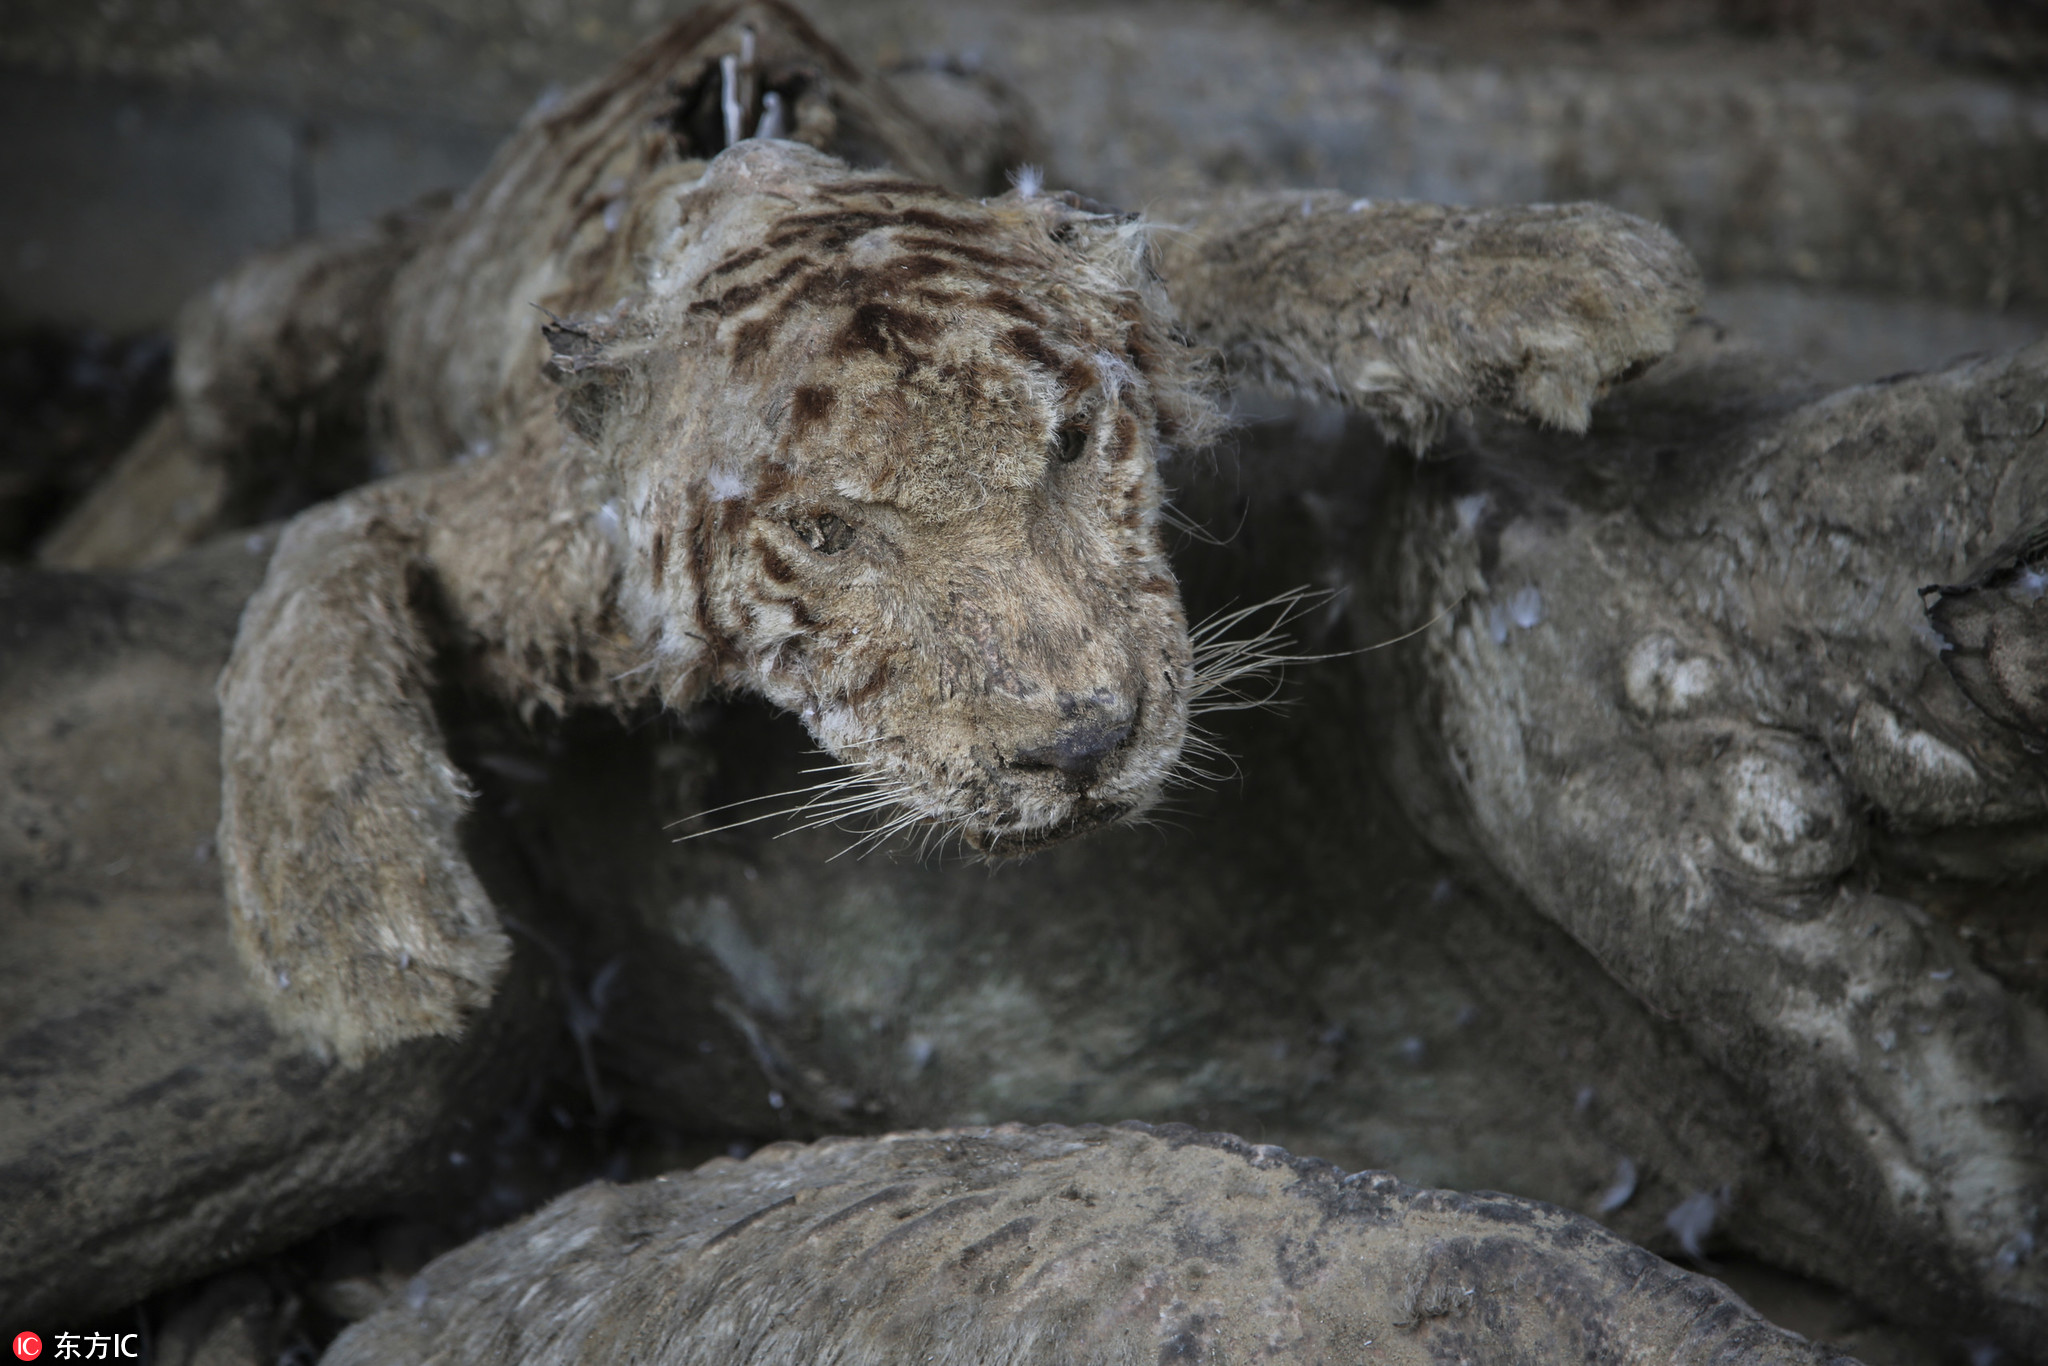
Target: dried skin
(1054,1245)
(1415,312)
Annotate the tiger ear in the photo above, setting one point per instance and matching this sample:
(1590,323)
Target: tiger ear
(1072,220)
(587,362)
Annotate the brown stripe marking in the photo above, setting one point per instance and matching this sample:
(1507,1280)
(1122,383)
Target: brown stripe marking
(820,241)
(944,222)
(839,283)
(1003,301)
(775,481)
(660,556)
(828,232)
(810,405)
(800,223)
(1124,436)
(716,639)
(1028,343)
(751,338)
(732,516)
(818,289)
(738,262)
(834,229)
(1142,355)
(950,301)
(980,256)
(877,327)
(773,564)
(739,296)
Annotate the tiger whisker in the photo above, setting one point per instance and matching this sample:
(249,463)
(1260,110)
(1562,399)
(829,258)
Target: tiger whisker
(878,802)
(1189,527)
(744,821)
(838,797)
(879,836)
(1248,673)
(855,744)
(826,786)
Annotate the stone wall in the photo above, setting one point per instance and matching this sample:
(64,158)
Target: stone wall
(1863,185)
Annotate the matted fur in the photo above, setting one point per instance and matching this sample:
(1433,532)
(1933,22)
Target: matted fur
(880,453)
(1048,1246)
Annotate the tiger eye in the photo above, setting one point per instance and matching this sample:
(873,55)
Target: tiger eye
(824,533)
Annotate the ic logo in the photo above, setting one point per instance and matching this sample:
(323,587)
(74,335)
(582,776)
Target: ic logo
(27,1346)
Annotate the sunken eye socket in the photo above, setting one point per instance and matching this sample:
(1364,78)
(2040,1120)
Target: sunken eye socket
(1072,441)
(823,532)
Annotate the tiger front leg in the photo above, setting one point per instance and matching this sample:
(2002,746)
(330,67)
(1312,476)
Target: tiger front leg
(348,893)
(1414,312)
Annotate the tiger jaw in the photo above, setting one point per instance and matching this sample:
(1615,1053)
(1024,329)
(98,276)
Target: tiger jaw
(1027,828)
(1000,810)
(1087,814)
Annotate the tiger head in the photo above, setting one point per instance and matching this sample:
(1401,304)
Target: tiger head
(888,457)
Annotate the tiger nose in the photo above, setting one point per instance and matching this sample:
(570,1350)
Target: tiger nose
(1094,726)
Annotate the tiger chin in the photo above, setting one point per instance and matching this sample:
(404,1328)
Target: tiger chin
(879,452)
